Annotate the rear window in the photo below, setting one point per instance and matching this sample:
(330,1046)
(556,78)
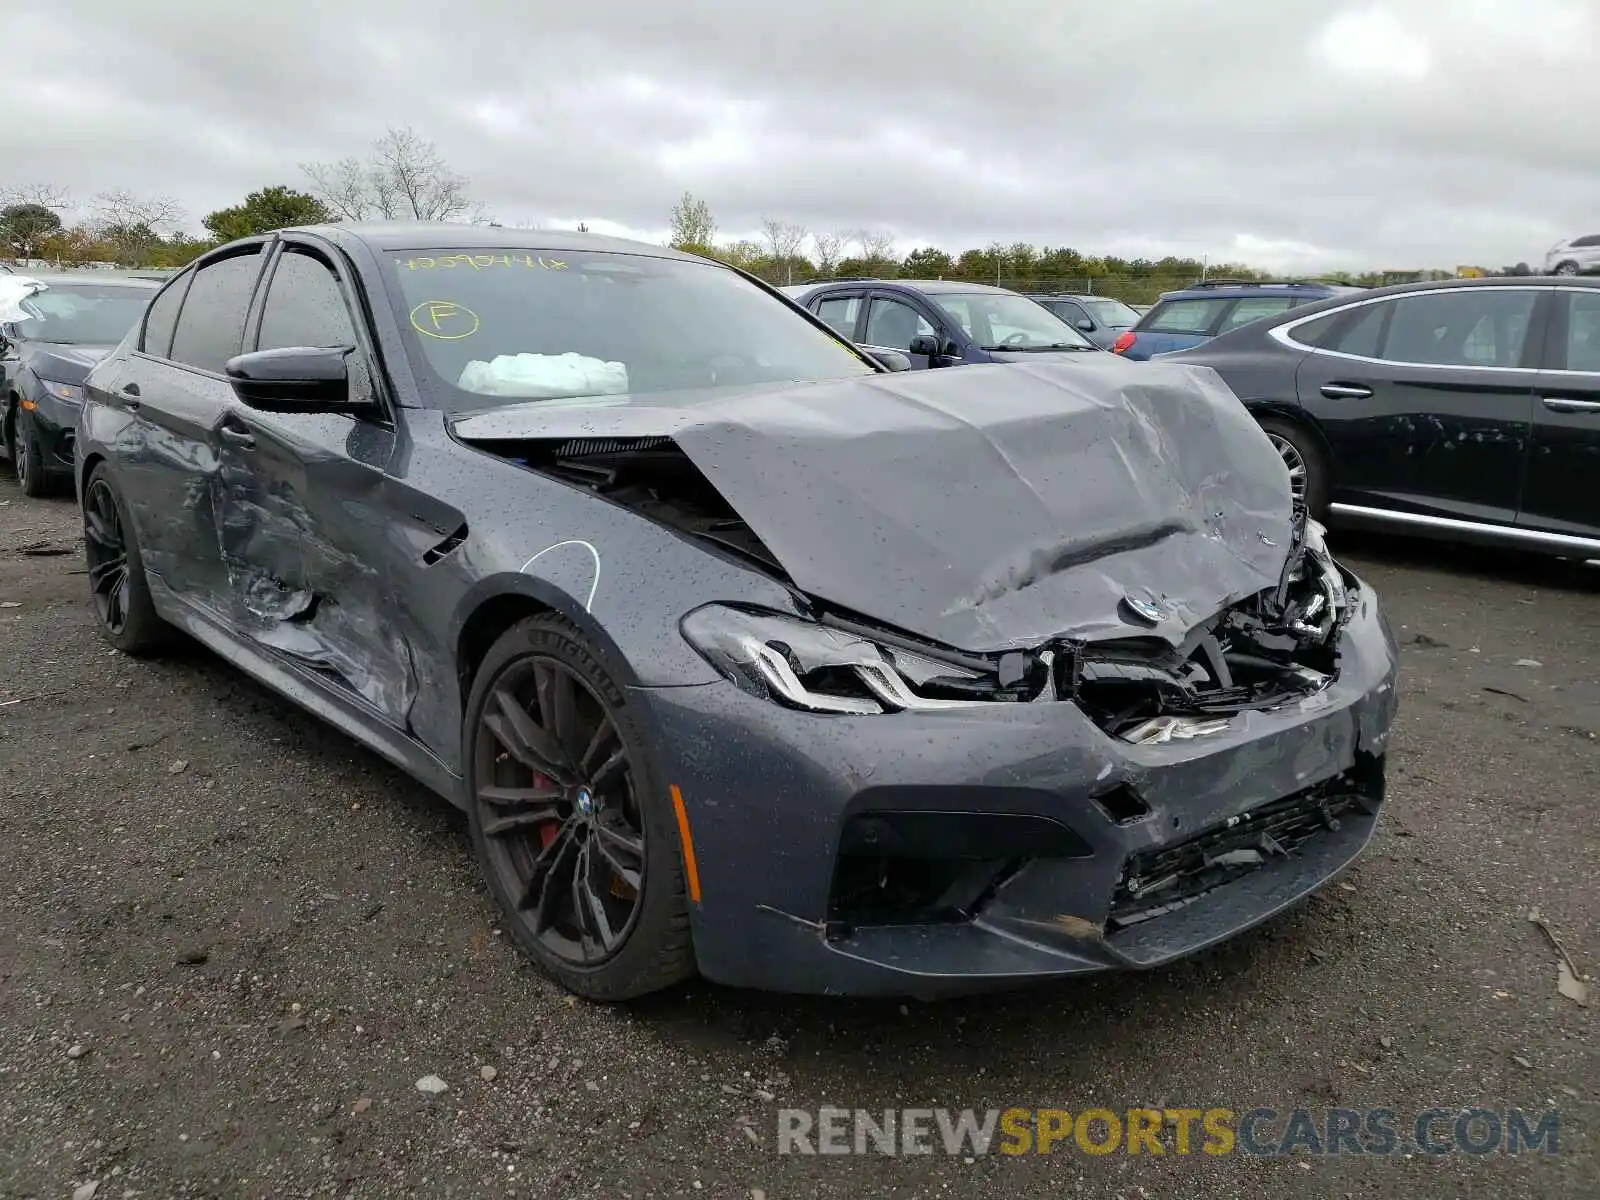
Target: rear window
(83,314)
(1185,316)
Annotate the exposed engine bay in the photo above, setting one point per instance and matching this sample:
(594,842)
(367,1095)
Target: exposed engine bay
(1270,649)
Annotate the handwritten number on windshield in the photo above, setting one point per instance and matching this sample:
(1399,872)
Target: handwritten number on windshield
(480,262)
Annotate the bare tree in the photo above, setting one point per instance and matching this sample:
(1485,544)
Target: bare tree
(827,246)
(45,195)
(29,213)
(131,223)
(404,178)
(876,244)
(783,241)
(692,222)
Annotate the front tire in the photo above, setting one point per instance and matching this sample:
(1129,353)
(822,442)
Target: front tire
(124,612)
(570,819)
(27,456)
(1302,456)
(1567,268)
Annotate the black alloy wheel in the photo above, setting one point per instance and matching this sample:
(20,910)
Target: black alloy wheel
(567,819)
(107,553)
(27,458)
(126,615)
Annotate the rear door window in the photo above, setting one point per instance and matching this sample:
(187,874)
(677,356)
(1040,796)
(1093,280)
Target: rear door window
(211,322)
(1477,327)
(1363,336)
(1186,316)
(161,318)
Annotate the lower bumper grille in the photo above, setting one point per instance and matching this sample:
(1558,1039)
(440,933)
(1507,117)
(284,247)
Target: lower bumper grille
(1159,881)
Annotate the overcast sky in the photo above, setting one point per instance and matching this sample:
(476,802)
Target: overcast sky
(1292,134)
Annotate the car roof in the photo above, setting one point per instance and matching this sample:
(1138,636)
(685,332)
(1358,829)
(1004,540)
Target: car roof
(1588,282)
(419,235)
(1254,288)
(933,287)
(63,278)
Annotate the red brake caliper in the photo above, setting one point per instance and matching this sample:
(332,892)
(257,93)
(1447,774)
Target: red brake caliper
(547,831)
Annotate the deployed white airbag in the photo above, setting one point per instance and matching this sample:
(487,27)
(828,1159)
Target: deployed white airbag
(14,289)
(544,375)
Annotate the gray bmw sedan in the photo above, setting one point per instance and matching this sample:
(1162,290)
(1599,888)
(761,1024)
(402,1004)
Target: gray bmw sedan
(746,651)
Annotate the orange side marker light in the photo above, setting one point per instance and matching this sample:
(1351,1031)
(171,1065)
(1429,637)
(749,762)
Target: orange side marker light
(691,873)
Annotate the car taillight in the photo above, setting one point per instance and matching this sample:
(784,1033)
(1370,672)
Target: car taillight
(1124,343)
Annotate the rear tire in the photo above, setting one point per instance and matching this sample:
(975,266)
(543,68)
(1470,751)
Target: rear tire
(1302,455)
(598,829)
(124,612)
(27,456)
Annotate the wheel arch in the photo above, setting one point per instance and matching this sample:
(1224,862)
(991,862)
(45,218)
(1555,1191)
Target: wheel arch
(498,603)
(1295,415)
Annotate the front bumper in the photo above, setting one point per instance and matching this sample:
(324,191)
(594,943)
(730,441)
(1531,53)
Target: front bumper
(774,796)
(55,423)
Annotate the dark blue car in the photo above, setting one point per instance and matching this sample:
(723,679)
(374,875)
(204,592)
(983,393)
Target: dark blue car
(51,337)
(1198,314)
(940,323)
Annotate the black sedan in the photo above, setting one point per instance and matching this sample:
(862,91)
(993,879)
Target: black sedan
(63,324)
(1467,409)
(742,653)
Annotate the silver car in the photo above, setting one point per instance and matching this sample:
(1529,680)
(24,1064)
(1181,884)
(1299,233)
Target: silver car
(1574,256)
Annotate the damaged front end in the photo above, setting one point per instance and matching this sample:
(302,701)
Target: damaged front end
(1274,648)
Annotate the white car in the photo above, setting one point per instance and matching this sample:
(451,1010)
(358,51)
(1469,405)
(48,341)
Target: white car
(1575,256)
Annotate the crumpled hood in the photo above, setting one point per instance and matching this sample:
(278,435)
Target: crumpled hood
(984,508)
(63,364)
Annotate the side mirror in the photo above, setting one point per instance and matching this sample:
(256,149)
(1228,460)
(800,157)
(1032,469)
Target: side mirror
(1085,324)
(890,360)
(925,343)
(296,379)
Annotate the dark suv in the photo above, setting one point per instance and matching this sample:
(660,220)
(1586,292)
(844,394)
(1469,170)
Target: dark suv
(1466,409)
(939,323)
(1197,314)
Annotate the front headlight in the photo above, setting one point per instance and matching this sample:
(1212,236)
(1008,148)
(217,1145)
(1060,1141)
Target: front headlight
(70,392)
(817,668)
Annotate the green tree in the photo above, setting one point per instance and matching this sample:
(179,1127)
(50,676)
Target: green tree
(927,263)
(693,226)
(262,212)
(24,226)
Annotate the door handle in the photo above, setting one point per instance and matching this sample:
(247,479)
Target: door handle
(1345,391)
(242,438)
(130,394)
(1562,405)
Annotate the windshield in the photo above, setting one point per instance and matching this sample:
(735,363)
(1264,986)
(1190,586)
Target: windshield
(522,324)
(82,314)
(1113,314)
(1001,321)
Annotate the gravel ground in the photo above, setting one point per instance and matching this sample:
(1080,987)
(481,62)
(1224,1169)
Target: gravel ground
(233,942)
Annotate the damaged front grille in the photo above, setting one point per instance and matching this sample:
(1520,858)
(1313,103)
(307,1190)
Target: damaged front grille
(1277,647)
(1160,881)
